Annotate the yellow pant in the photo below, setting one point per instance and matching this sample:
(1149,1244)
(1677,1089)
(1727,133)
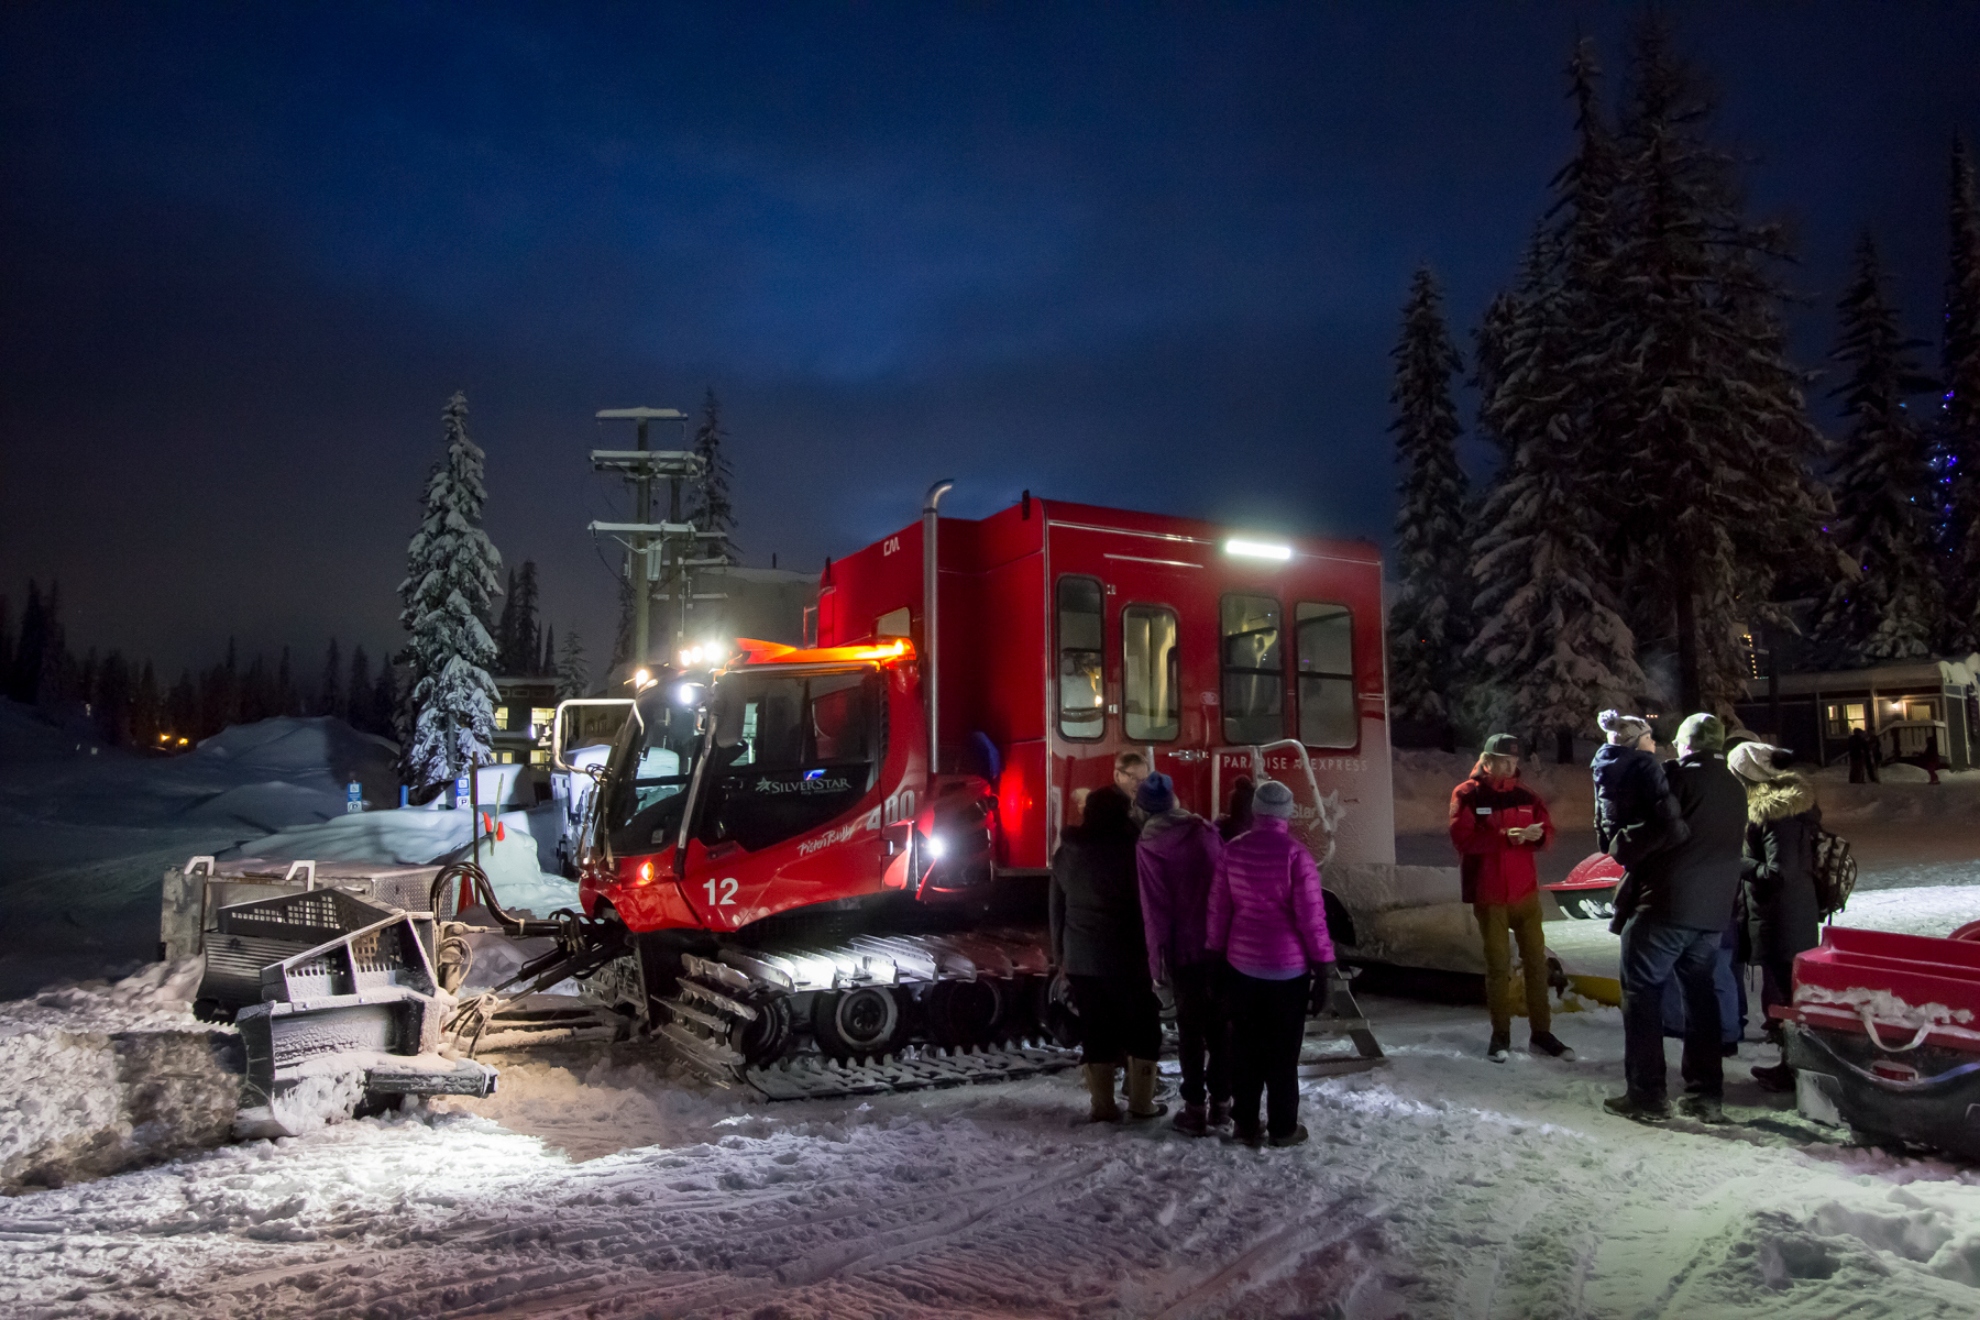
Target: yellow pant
(1523,920)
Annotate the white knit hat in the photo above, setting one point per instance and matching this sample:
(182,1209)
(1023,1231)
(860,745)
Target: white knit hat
(1758,762)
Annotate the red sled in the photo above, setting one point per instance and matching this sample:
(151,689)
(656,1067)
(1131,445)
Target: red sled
(1884,1036)
(1590,888)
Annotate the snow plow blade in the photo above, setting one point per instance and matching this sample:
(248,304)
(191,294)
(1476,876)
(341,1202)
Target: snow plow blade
(1880,1035)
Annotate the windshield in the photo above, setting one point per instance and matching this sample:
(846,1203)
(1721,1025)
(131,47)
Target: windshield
(644,812)
(810,749)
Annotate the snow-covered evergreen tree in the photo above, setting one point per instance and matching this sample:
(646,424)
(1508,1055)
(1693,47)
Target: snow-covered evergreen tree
(1551,649)
(1706,414)
(451,576)
(1428,619)
(711,509)
(573,676)
(1957,441)
(1884,514)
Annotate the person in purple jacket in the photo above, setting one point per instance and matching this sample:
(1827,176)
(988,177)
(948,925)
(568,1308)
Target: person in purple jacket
(1268,919)
(1176,860)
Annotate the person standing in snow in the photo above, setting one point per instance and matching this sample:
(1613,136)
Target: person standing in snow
(1097,942)
(1783,909)
(1238,819)
(1862,758)
(1269,921)
(1635,813)
(1177,859)
(1684,902)
(1497,825)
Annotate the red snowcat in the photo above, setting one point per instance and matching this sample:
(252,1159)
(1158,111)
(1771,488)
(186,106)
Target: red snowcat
(801,861)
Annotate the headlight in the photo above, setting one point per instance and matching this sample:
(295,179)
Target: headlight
(937,845)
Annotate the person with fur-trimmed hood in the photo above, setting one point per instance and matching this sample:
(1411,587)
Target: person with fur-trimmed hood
(1783,908)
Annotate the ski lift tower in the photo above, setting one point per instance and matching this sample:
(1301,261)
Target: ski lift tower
(656,551)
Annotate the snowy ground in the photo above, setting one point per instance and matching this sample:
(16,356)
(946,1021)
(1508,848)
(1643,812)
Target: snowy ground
(1440,1185)
(599,1182)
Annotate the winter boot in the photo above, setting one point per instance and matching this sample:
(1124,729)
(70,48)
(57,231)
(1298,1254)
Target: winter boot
(1141,1091)
(1296,1137)
(1192,1121)
(1100,1089)
(1251,1134)
(1220,1113)
(1704,1108)
(1501,1047)
(1547,1043)
(1641,1111)
(1778,1078)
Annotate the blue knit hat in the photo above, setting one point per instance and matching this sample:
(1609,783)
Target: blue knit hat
(1156,795)
(1273,799)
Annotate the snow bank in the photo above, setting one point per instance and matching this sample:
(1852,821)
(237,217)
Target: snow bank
(94,1079)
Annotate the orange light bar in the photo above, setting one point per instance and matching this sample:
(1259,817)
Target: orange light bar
(775,653)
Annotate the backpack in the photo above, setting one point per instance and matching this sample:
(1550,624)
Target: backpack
(1835,872)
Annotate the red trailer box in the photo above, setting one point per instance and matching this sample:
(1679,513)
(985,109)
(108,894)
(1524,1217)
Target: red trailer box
(1068,633)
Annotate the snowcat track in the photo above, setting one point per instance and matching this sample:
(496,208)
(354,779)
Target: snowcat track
(719,1001)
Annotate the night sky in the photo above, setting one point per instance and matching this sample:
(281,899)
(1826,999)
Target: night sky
(1152,259)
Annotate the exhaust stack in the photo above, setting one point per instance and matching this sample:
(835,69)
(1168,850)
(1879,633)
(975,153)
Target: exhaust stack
(931,572)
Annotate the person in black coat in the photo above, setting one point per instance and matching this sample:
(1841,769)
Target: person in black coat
(1099,944)
(1683,902)
(1783,907)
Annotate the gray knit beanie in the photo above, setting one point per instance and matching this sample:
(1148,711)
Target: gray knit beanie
(1701,733)
(1758,763)
(1273,799)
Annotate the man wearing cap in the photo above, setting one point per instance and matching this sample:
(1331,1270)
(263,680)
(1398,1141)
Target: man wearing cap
(1176,860)
(1497,825)
(1684,900)
(1269,921)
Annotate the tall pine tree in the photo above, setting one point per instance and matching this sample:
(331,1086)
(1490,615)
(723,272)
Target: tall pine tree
(1957,442)
(451,576)
(518,635)
(1706,414)
(1883,523)
(711,509)
(1428,621)
(573,675)
(1551,648)
(330,693)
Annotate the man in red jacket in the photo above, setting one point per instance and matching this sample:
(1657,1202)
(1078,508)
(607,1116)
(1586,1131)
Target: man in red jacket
(1498,824)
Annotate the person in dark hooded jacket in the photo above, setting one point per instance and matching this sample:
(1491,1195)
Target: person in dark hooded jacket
(1684,902)
(1635,813)
(1783,908)
(1098,941)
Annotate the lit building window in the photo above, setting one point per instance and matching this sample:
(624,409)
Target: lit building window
(541,716)
(539,758)
(502,718)
(508,758)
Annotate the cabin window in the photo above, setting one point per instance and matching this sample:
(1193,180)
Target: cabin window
(1082,687)
(1325,637)
(894,623)
(1151,705)
(1254,673)
(1846,716)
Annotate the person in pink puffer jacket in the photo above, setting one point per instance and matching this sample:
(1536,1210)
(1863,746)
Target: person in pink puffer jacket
(1268,919)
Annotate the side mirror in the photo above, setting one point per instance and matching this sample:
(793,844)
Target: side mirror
(581,722)
(728,721)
